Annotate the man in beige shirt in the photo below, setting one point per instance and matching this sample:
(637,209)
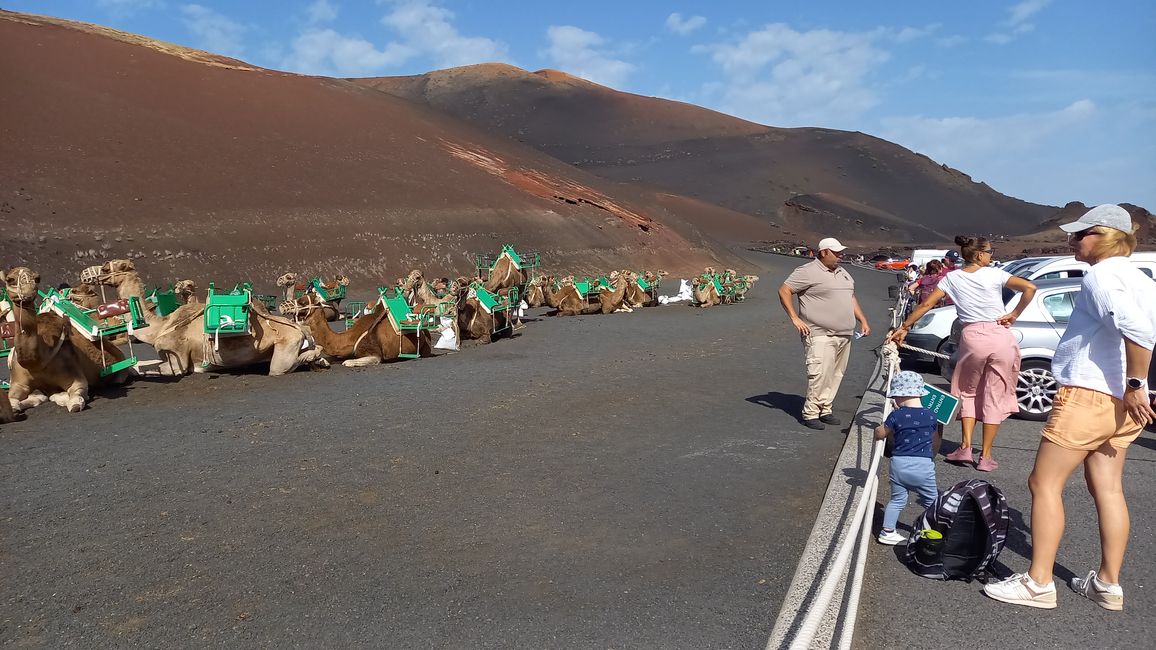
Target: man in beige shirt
(826,321)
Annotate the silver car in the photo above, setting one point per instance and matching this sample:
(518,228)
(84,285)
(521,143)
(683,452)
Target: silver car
(1038,331)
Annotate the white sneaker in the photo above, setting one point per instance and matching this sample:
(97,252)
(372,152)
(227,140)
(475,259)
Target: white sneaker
(1103,594)
(1020,589)
(890,537)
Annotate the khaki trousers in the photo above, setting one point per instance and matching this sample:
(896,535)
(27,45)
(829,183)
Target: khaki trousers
(826,358)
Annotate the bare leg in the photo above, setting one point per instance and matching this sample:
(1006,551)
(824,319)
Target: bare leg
(1054,464)
(989,431)
(968,426)
(1104,471)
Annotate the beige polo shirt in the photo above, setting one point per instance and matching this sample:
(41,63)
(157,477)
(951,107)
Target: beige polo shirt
(825,298)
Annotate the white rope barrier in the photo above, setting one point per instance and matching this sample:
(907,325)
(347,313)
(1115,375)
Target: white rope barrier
(858,534)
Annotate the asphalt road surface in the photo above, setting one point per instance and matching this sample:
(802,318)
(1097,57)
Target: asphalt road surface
(901,610)
(625,481)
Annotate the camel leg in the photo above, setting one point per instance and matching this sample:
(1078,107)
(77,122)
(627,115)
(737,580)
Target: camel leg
(77,396)
(360,362)
(22,398)
(285,357)
(6,413)
(314,358)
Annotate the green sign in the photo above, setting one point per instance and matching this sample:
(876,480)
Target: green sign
(944,405)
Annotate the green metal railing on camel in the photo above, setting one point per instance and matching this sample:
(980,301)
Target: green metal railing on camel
(407,320)
(529,263)
(334,293)
(123,316)
(504,303)
(165,302)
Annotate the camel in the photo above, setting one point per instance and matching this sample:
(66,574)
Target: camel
(331,310)
(184,347)
(705,293)
(568,301)
(84,296)
(635,296)
(535,292)
(372,339)
(186,292)
(6,412)
(745,286)
(51,360)
(473,321)
(418,292)
(613,299)
(504,275)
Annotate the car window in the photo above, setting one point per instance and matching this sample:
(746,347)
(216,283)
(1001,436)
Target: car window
(1055,275)
(1146,271)
(1060,305)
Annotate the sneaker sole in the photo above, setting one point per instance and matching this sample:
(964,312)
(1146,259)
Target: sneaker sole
(1027,603)
(887,543)
(1107,604)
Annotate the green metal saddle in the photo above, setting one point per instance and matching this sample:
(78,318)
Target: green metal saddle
(403,317)
(227,312)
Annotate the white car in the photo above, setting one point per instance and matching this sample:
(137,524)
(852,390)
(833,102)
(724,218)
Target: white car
(930,332)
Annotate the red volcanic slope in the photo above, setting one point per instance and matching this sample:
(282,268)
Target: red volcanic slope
(853,184)
(117,145)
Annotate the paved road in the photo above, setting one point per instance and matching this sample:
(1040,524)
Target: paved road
(901,610)
(621,481)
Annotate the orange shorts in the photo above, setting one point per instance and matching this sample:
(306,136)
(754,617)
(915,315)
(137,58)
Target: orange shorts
(1085,419)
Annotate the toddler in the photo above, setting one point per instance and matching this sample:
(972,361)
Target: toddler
(915,436)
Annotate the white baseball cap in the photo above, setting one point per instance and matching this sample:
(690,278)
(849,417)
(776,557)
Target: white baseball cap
(831,244)
(1108,215)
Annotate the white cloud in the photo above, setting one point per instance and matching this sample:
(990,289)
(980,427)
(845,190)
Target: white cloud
(582,53)
(215,32)
(423,29)
(908,34)
(783,77)
(1021,11)
(326,52)
(1017,21)
(321,11)
(679,25)
(968,142)
(126,7)
(951,41)
(429,29)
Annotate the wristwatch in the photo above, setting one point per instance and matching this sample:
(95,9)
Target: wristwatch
(1136,382)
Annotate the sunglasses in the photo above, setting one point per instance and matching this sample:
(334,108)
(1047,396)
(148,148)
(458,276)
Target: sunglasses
(1079,236)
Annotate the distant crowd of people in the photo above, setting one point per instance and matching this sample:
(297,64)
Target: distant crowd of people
(1101,365)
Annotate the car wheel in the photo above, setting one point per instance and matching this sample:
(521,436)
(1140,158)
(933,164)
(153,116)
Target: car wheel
(1035,389)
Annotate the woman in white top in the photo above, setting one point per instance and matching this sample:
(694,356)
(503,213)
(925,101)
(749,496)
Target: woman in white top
(988,364)
(1101,364)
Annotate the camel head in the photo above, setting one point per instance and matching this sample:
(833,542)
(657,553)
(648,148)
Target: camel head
(414,279)
(731,272)
(751,279)
(341,280)
(710,270)
(110,274)
(185,288)
(287,279)
(21,283)
(82,293)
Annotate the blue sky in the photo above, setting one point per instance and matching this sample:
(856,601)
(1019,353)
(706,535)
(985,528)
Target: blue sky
(1046,100)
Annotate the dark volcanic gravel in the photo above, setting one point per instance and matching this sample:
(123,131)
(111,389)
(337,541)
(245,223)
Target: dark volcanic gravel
(604,481)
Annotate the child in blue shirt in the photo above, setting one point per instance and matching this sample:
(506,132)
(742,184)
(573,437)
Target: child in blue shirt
(915,437)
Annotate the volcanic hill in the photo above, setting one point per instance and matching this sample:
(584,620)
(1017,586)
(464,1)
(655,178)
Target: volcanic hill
(861,187)
(198,165)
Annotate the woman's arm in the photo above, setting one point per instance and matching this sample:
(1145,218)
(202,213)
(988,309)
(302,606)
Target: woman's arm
(1016,283)
(1136,400)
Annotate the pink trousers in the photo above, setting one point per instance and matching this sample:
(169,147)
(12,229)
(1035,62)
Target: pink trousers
(986,373)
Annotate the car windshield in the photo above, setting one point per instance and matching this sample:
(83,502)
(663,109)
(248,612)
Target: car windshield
(1029,265)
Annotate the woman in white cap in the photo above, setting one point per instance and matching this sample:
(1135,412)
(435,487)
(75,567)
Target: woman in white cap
(1101,365)
(988,365)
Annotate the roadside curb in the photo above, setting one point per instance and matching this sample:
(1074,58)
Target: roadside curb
(832,524)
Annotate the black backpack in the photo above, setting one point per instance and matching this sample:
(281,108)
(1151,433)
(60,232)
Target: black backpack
(972,516)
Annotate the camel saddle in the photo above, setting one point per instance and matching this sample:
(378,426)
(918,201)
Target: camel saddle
(8,329)
(115,308)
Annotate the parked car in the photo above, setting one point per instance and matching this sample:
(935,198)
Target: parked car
(1038,331)
(892,265)
(930,332)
